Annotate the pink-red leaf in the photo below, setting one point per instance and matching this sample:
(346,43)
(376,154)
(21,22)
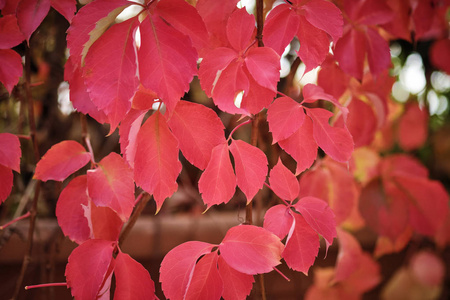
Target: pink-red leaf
(128,132)
(319,216)
(325,16)
(87,268)
(349,256)
(236,285)
(132,279)
(283,182)
(240,28)
(10,34)
(160,44)
(111,185)
(285,116)
(301,146)
(6,177)
(206,282)
(413,127)
(110,71)
(30,14)
(185,18)
(198,130)
(278,220)
(378,52)
(251,167)
(104,223)
(350,53)
(251,249)
(10,68)
(218,183)
(263,64)
(156,164)
(10,152)
(67,8)
(178,267)
(302,245)
(335,141)
(70,212)
(61,160)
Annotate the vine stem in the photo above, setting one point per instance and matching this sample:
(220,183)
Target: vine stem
(141,201)
(29,287)
(237,127)
(15,220)
(33,209)
(86,138)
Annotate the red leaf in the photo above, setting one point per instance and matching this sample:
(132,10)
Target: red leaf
(285,116)
(413,127)
(302,245)
(280,27)
(350,51)
(218,183)
(156,164)
(335,141)
(278,220)
(206,282)
(30,14)
(378,52)
(128,132)
(79,96)
(236,285)
(198,130)
(104,223)
(185,18)
(61,160)
(10,34)
(301,146)
(132,279)
(349,257)
(251,167)
(325,16)
(428,203)
(111,185)
(319,216)
(312,93)
(251,249)
(438,57)
(67,8)
(263,65)
(110,71)
(240,28)
(70,212)
(257,97)
(283,182)
(10,152)
(160,43)
(332,79)
(10,68)
(144,98)
(373,12)
(177,268)
(6,177)
(91,21)
(87,268)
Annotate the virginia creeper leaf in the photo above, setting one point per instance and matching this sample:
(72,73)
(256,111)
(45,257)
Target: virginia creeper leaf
(61,160)
(278,220)
(283,182)
(217,184)
(10,68)
(413,127)
(87,268)
(206,282)
(378,52)
(132,279)
(438,57)
(236,285)
(350,53)
(6,177)
(263,64)
(110,71)
(177,268)
(312,93)
(30,14)
(319,216)
(335,141)
(70,212)
(67,8)
(302,245)
(111,185)
(160,44)
(251,249)
(104,223)
(350,252)
(144,98)
(198,130)
(285,116)
(301,146)
(128,132)
(10,34)
(240,28)
(185,18)
(156,164)
(251,167)
(10,152)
